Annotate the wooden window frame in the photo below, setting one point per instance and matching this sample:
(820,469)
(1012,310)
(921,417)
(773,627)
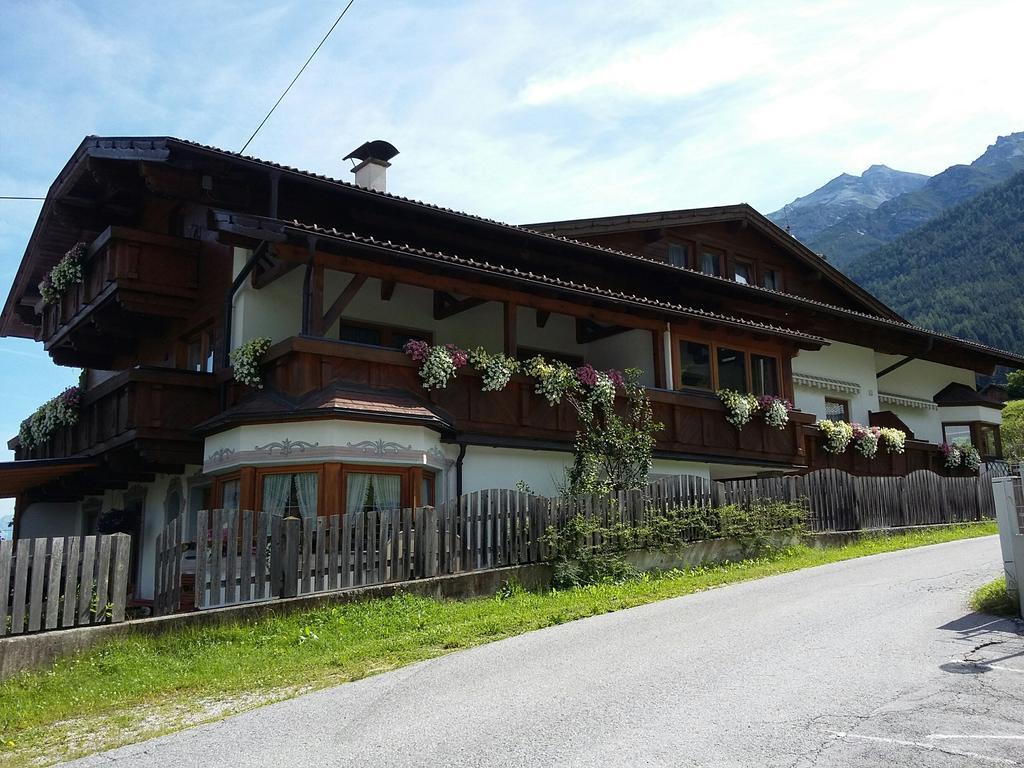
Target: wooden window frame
(750,264)
(713,250)
(975,434)
(714,345)
(387,332)
(292,469)
(204,334)
(688,255)
(838,401)
(780,278)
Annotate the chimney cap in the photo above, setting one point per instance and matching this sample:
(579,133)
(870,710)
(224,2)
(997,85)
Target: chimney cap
(378,149)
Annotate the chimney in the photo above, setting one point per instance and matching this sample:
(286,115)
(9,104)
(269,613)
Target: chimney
(371,168)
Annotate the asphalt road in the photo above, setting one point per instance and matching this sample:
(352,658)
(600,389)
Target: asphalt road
(872,662)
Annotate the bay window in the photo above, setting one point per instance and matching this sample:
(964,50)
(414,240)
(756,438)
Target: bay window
(291,494)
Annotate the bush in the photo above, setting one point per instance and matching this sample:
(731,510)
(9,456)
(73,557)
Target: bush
(993,599)
(585,552)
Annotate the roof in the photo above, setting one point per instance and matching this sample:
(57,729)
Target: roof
(158,149)
(961,394)
(520,276)
(688,216)
(333,401)
(16,477)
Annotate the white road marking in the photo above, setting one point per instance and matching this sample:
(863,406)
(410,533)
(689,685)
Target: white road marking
(925,746)
(1008,737)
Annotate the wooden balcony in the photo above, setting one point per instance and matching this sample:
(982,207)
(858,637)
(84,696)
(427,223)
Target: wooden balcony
(133,282)
(694,425)
(147,412)
(919,454)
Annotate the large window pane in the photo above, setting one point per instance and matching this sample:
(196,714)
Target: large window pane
(957,433)
(764,375)
(695,364)
(732,369)
(987,438)
(365,491)
(743,273)
(711,263)
(677,254)
(229,495)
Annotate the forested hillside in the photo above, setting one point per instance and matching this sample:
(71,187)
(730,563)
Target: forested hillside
(962,273)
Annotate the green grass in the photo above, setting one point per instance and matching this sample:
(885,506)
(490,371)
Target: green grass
(994,599)
(135,688)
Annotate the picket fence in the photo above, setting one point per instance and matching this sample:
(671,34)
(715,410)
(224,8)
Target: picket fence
(63,582)
(247,556)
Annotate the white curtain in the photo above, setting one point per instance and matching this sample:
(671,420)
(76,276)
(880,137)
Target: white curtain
(357,484)
(305,487)
(276,490)
(387,492)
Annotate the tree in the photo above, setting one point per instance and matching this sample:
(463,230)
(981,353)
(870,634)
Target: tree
(1012,430)
(1015,385)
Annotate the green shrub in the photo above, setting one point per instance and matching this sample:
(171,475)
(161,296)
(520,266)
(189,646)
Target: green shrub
(994,599)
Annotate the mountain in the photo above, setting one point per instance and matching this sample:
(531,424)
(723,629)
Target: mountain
(863,230)
(962,272)
(845,195)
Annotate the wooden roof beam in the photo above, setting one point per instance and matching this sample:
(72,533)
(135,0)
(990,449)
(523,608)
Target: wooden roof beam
(446,305)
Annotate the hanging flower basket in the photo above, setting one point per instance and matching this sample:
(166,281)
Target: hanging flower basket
(865,440)
(774,410)
(893,440)
(739,407)
(245,361)
(65,274)
(57,412)
(838,435)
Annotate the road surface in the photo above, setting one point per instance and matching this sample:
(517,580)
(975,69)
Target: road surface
(871,662)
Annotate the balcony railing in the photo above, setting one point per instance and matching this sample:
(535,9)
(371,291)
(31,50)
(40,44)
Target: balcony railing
(128,276)
(151,407)
(694,425)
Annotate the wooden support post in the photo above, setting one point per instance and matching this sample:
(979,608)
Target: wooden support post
(341,303)
(316,301)
(511,329)
(659,359)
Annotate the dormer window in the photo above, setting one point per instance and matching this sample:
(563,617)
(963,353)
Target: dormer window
(678,254)
(771,278)
(711,262)
(743,272)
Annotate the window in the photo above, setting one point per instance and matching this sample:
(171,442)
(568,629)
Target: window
(291,494)
(732,369)
(711,263)
(198,352)
(375,335)
(956,433)
(229,493)
(988,440)
(764,375)
(837,410)
(771,278)
(365,491)
(427,495)
(743,272)
(695,364)
(678,254)
(707,365)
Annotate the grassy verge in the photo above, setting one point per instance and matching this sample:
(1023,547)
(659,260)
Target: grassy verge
(994,599)
(136,688)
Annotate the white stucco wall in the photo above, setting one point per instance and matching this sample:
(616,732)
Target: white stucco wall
(838,361)
(49,518)
(919,378)
(274,311)
(633,349)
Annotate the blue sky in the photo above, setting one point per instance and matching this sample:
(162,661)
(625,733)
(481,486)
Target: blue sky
(520,111)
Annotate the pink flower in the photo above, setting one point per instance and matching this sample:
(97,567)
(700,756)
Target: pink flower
(586,375)
(459,356)
(416,349)
(616,377)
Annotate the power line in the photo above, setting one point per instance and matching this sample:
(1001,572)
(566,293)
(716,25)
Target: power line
(340,17)
(19,197)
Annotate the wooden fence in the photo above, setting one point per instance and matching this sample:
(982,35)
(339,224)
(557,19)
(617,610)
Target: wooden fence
(251,556)
(58,583)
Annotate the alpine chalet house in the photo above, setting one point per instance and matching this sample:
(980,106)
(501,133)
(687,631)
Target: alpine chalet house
(189,251)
